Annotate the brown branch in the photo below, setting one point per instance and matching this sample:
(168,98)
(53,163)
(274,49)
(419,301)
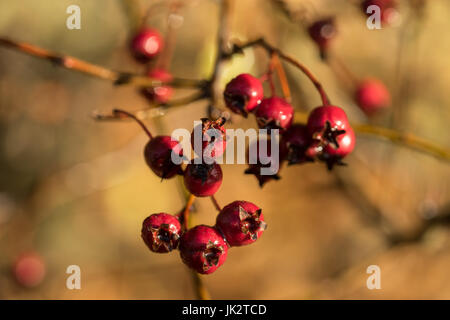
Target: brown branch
(75,64)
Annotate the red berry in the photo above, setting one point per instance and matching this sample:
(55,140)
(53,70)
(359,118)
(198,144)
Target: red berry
(346,142)
(319,116)
(333,138)
(161,232)
(159,93)
(295,142)
(146,44)
(372,95)
(387,9)
(241,223)
(243,94)
(274,113)
(29,269)
(213,137)
(203,180)
(258,162)
(158,155)
(203,249)
(322,32)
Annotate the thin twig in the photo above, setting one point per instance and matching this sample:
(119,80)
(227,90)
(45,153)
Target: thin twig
(282,77)
(201,291)
(186,211)
(216,204)
(75,64)
(405,139)
(121,114)
(400,138)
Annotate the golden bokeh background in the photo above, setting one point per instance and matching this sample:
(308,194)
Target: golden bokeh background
(76,190)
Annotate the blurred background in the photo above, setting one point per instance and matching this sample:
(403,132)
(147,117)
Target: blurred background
(74,191)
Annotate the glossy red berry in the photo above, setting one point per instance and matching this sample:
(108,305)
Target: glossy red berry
(295,141)
(159,93)
(274,113)
(161,232)
(158,155)
(213,137)
(258,162)
(243,94)
(322,32)
(203,180)
(241,223)
(333,138)
(319,116)
(29,269)
(387,9)
(146,44)
(346,143)
(203,249)
(372,96)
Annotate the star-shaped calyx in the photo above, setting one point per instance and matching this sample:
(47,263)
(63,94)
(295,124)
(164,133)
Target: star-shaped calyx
(251,223)
(212,254)
(328,135)
(255,169)
(164,237)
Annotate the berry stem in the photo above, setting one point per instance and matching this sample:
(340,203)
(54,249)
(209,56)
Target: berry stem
(270,77)
(200,288)
(117,113)
(238,48)
(342,71)
(216,204)
(186,211)
(282,77)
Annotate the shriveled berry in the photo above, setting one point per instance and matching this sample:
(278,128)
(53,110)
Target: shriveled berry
(203,249)
(241,223)
(29,269)
(372,96)
(203,180)
(159,93)
(296,141)
(260,159)
(388,9)
(274,113)
(213,137)
(161,232)
(146,44)
(322,32)
(243,94)
(158,155)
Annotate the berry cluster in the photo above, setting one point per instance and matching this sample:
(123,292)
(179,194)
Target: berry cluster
(205,248)
(202,248)
(326,137)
